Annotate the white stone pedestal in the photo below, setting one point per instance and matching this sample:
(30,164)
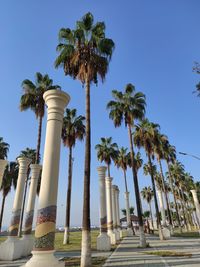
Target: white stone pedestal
(166,233)
(11,249)
(103,242)
(44,259)
(27,241)
(129,232)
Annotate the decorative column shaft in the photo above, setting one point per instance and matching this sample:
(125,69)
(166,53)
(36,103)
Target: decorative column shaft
(16,211)
(196,203)
(114,212)
(35,172)
(162,208)
(118,210)
(103,240)
(128,216)
(109,210)
(3,164)
(56,101)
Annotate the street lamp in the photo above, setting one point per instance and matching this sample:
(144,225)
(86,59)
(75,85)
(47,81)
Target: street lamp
(186,154)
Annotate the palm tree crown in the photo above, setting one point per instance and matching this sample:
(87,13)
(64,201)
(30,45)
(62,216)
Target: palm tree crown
(84,53)
(107,151)
(73,128)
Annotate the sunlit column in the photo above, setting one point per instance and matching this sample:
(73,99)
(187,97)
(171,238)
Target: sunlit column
(103,240)
(43,252)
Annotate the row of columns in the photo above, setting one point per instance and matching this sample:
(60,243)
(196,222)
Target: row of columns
(110,230)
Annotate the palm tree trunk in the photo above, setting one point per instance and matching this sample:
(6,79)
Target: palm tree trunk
(126,187)
(137,192)
(108,165)
(2,210)
(37,160)
(173,193)
(151,216)
(183,210)
(165,193)
(86,237)
(155,198)
(68,204)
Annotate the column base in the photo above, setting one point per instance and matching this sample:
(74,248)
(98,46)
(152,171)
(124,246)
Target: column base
(120,233)
(129,232)
(28,243)
(11,249)
(112,236)
(166,233)
(103,242)
(43,259)
(117,234)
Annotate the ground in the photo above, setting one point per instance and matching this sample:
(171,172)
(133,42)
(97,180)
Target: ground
(181,251)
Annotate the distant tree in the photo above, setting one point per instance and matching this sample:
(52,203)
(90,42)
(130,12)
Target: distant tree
(107,151)
(9,181)
(33,99)
(73,129)
(4,148)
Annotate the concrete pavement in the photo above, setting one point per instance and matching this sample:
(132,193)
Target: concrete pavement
(128,254)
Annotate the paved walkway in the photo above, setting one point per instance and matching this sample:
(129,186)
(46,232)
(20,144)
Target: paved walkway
(127,254)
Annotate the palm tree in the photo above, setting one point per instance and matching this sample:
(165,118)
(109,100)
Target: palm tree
(147,194)
(107,151)
(122,161)
(33,99)
(84,54)
(73,129)
(129,106)
(144,137)
(32,155)
(170,157)
(160,142)
(177,171)
(9,180)
(4,148)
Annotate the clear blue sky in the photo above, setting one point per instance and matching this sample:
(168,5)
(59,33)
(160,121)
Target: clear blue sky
(156,45)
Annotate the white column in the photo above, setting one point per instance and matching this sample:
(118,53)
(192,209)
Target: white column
(128,216)
(28,238)
(162,208)
(114,213)
(3,164)
(103,240)
(109,210)
(12,248)
(196,203)
(118,211)
(43,252)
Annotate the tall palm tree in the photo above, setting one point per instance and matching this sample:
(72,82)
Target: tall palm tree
(122,161)
(33,99)
(177,170)
(73,129)
(144,137)
(129,106)
(4,148)
(159,148)
(107,152)
(84,54)
(32,155)
(9,180)
(170,158)
(147,194)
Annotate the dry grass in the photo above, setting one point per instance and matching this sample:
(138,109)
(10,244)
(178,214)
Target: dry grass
(168,253)
(75,262)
